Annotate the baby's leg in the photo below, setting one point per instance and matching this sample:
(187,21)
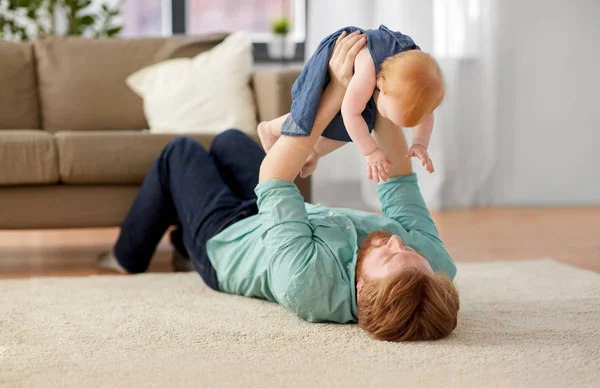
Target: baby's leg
(269,131)
(325,146)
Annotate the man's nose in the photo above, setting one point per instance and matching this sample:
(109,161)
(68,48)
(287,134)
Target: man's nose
(395,242)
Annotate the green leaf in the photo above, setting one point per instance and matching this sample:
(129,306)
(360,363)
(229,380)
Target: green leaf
(34,4)
(281,26)
(12,5)
(87,20)
(21,3)
(113,31)
(71,4)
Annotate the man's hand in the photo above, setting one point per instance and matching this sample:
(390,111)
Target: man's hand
(420,152)
(377,165)
(341,62)
(310,166)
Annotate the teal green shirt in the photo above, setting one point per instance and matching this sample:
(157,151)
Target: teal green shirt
(303,256)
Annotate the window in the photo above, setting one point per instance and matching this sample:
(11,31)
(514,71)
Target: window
(145,18)
(197,17)
(254,16)
(456,28)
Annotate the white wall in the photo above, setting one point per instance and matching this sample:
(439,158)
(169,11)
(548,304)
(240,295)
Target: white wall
(549,103)
(344,164)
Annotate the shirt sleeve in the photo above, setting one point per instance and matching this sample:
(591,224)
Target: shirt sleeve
(401,200)
(301,272)
(282,213)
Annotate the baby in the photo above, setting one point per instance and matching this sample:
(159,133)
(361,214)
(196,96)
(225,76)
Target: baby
(391,75)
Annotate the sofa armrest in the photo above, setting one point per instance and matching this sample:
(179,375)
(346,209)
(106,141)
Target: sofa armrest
(273,96)
(273,92)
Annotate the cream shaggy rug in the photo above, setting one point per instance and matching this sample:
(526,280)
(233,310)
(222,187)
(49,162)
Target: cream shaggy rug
(522,324)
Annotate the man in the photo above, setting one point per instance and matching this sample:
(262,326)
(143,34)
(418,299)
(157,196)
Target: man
(261,240)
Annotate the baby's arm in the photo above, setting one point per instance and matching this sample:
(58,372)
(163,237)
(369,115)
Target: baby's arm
(422,132)
(359,92)
(420,142)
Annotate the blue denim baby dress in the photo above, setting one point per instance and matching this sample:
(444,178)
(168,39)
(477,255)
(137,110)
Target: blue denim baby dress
(306,92)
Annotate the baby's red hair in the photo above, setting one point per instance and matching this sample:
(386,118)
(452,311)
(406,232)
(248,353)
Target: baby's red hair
(413,78)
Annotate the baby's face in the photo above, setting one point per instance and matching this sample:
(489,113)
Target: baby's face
(390,108)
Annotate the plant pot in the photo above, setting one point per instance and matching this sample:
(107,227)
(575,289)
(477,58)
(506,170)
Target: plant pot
(281,47)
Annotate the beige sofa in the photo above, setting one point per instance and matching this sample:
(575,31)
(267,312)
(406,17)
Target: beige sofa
(73,145)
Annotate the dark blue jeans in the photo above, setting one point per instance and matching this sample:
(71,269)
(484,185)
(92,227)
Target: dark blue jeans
(202,192)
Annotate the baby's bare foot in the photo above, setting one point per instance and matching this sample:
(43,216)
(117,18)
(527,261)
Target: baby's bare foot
(265,135)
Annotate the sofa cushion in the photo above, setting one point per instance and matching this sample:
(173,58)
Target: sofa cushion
(27,157)
(203,94)
(111,157)
(64,206)
(82,81)
(19,108)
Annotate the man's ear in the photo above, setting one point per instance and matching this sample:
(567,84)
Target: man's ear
(359,286)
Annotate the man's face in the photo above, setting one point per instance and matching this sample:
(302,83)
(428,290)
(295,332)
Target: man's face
(386,254)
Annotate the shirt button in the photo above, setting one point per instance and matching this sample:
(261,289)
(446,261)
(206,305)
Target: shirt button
(348,227)
(331,213)
(348,267)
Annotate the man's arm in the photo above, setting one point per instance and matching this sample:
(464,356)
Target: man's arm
(288,154)
(401,199)
(390,138)
(296,259)
(400,196)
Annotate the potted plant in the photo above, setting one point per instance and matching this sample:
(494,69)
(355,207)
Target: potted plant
(22,20)
(281,44)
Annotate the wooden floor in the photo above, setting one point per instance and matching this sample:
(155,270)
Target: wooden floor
(570,235)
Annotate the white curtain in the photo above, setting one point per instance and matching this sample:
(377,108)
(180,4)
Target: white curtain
(461,34)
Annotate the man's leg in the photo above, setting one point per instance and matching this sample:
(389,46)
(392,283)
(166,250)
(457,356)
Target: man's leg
(238,159)
(180,258)
(183,184)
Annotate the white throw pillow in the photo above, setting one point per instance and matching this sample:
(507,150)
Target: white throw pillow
(205,94)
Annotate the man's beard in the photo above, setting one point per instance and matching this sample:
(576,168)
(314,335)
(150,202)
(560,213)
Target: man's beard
(373,240)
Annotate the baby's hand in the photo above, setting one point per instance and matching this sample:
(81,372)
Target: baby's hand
(421,152)
(377,165)
(310,165)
